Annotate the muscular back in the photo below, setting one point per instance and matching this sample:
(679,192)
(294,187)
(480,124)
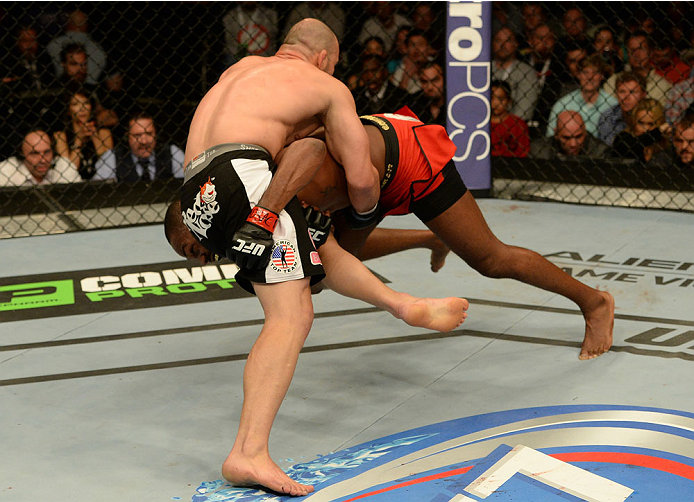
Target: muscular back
(266,101)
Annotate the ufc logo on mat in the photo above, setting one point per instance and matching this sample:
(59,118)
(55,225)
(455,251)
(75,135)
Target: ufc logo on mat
(252,248)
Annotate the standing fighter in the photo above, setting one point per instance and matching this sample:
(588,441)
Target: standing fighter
(238,203)
(418,176)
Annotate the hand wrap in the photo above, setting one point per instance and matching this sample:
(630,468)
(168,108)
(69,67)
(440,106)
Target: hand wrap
(251,245)
(318,225)
(357,221)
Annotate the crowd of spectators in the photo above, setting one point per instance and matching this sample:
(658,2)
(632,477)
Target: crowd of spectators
(72,118)
(575,87)
(566,83)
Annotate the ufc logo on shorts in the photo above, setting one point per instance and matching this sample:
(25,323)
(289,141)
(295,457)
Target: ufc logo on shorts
(252,248)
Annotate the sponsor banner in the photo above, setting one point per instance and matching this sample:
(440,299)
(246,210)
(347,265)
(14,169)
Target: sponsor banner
(634,269)
(468,75)
(601,453)
(110,289)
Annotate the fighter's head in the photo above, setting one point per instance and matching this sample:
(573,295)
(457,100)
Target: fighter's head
(181,239)
(318,40)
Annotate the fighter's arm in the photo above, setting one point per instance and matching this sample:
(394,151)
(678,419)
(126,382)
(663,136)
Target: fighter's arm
(327,190)
(349,145)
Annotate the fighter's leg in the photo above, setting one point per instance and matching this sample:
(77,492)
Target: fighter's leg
(267,374)
(463,228)
(370,243)
(385,241)
(296,166)
(346,275)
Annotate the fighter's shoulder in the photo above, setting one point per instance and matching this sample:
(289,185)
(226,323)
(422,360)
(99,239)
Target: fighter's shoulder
(308,76)
(243,64)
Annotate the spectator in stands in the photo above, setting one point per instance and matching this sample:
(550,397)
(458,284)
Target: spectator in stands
(509,133)
(548,69)
(250,29)
(385,23)
(81,141)
(631,88)
(570,140)
(575,25)
(375,93)
(646,132)
(642,20)
(430,104)
(533,16)
(399,48)
(520,76)
(117,99)
(74,62)
(639,55)
(422,17)
(27,67)
(666,61)
(74,78)
(405,75)
(681,96)
(681,155)
(424,20)
(143,159)
(507,14)
(574,53)
(77,32)
(373,46)
(590,100)
(605,44)
(329,12)
(34,164)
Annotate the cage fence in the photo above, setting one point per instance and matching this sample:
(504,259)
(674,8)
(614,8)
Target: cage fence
(590,101)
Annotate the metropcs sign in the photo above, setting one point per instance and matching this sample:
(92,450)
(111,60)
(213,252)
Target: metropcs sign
(467,89)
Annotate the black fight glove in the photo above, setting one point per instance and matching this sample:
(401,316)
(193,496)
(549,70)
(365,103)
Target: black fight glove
(357,221)
(251,245)
(318,225)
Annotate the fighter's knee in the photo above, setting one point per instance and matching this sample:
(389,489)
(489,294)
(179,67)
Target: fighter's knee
(490,266)
(317,149)
(304,308)
(310,147)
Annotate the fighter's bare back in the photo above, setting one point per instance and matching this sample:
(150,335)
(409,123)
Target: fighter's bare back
(265,101)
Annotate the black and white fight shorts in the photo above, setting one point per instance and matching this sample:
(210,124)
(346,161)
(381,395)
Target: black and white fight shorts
(221,186)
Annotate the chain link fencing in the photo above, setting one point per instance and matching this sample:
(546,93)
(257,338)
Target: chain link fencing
(92,87)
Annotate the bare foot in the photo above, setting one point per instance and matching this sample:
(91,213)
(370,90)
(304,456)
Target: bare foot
(439,251)
(261,470)
(599,324)
(439,314)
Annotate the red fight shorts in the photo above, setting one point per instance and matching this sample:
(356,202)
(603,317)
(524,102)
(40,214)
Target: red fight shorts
(420,176)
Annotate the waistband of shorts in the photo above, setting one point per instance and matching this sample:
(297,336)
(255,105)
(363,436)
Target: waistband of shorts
(202,160)
(390,137)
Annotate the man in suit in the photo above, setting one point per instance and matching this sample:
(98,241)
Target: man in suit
(375,92)
(143,158)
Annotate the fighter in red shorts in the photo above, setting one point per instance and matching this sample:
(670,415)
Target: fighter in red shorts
(418,176)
